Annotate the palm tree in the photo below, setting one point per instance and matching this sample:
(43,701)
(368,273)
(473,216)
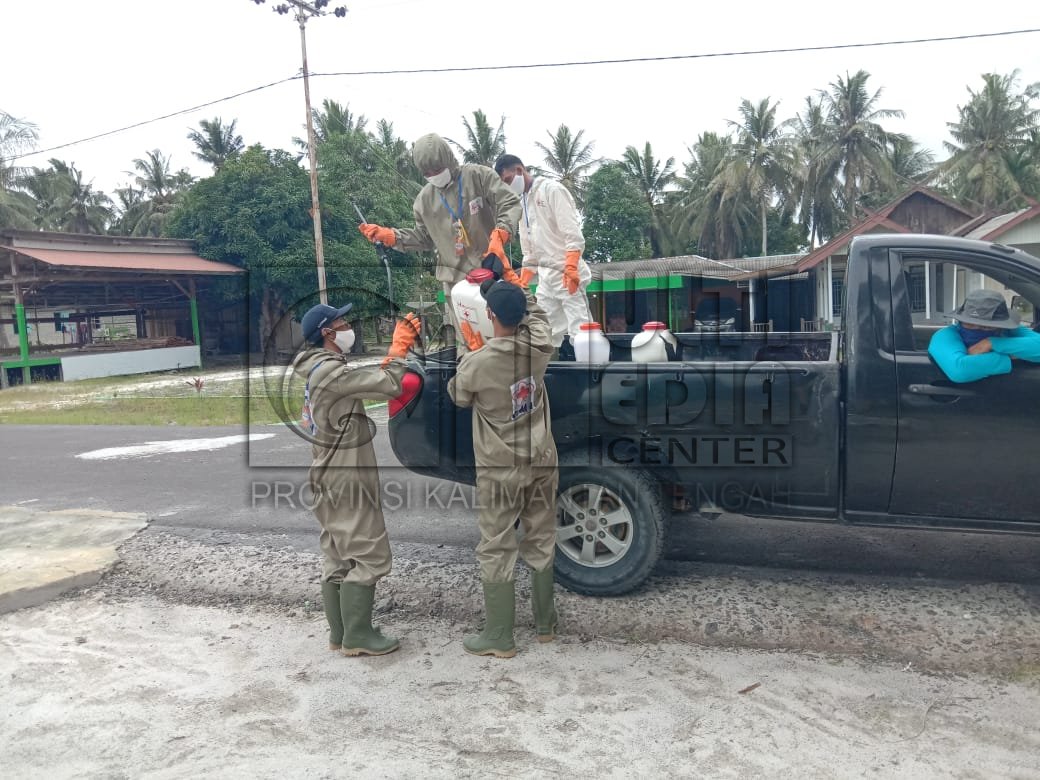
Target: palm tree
(996,123)
(651,177)
(689,207)
(216,142)
(760,162)
(569,160)
(17,136)
(65,202)
(394,153)
(160,189)
(484,144)
(814,172)
(859,141)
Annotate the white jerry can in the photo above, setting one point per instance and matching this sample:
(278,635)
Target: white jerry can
(652,344)
(590,345)
(470,305)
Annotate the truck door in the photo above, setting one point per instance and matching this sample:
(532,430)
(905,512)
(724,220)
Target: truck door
(965,453)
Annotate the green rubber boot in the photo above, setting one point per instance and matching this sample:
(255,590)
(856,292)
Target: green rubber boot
(545,617)
(359,638)
(330,599)
(497,637)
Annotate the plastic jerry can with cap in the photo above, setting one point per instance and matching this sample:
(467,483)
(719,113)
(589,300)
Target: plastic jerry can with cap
(590,345)
(470,305)
(654,344)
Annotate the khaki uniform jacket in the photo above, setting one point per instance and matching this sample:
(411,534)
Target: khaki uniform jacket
(504,382)
(487,203)
(344,460)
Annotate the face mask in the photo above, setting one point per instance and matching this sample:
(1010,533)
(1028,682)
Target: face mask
(441,180)
(517,184)
(972,337)
(345,339)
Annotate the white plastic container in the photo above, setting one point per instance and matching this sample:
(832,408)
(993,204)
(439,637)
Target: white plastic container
(590,345)
(470,305)
(651,345)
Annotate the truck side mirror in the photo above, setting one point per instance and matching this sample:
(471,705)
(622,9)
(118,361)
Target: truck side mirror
(1023,307)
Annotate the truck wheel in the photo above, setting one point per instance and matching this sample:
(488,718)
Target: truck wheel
(610,527)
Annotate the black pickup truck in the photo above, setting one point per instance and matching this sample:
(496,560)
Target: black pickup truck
(856,425)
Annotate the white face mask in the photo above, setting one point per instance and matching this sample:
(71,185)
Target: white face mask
(345,339)
(517,184)
(441,180)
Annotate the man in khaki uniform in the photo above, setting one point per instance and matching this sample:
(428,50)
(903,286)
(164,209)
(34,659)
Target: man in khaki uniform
(516,461)
(343,474)
(464,212)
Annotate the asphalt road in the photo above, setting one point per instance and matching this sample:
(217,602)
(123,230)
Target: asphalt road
(257,489)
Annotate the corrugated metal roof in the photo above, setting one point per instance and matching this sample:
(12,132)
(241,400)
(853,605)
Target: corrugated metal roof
(992,225)
(690,265)
(128,261)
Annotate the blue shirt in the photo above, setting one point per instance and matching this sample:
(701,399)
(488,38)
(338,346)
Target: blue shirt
(949,352)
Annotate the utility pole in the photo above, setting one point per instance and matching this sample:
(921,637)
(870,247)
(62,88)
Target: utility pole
(304,12)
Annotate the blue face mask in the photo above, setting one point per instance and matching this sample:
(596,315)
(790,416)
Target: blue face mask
(972,337)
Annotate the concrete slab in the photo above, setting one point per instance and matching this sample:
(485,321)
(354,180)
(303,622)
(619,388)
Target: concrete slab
(44,554)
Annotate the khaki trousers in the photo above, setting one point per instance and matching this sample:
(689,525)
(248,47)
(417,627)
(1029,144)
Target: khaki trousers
(353,536)
(504,494)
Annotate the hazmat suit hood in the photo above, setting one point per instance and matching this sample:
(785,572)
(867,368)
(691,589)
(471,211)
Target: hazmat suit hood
(432,152)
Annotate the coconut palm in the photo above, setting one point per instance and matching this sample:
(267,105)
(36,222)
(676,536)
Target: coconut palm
(814,172)
(161,190)
(568,160)
(17,136)
(64,202)
(857,155)
(760,163)
(996,123)
(692,218)
(484,144)
(216,142)
(651,177)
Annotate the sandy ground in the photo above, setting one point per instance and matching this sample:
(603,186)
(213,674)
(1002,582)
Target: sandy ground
(95,686)
(191,659)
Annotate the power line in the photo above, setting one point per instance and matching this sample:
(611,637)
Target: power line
(711,55)
(530,66)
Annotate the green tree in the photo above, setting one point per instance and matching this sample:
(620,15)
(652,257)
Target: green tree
(758,168)
(569,160)
(17,136)
(651,177)
(216,142)
(856,156)
(484,144)
(161,191)
(65,202)
(814,172)
(993,127)
(617,217)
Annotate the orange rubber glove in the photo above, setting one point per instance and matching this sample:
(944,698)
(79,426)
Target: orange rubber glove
(473,339)
(405,334)
(526,275)
(377,234)
(496,245)
(570,271)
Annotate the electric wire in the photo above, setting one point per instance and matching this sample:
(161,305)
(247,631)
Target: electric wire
(530,66)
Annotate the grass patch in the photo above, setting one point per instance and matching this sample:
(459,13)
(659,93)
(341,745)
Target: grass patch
(207,410)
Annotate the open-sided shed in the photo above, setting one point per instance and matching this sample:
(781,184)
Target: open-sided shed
(78,306)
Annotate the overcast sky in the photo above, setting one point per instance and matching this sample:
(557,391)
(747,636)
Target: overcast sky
(79,68)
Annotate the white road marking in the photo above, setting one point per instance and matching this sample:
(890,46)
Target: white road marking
(173,446)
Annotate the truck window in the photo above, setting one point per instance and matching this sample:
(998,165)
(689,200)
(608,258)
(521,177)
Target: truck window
(933,289)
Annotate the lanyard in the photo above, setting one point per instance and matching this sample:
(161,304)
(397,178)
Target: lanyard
(448,206)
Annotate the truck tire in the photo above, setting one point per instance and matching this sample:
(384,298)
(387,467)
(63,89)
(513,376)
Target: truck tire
(610,526)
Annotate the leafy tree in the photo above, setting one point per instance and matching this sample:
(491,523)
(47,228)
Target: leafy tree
(617,217)
(17,136)
(483,144)
(64,202)
(650,177)
(758,167)
(569,160)
(697,222)
(856,155)
(994,127)
(215,141)
(160,191)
